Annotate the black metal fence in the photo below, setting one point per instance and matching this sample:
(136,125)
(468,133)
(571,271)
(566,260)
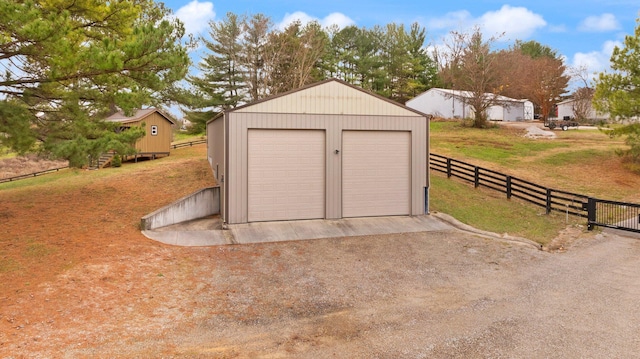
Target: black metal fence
(611,214)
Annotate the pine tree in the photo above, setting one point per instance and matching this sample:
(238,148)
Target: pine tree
(220,86)
(68,64)
(618,93)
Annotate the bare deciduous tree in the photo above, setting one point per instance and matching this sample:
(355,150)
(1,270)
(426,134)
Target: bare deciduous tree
(582,109)
(292,56)
(538,76)
(468,64)
(549,83)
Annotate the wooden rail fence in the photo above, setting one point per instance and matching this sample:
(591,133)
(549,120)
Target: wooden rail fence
(35,174)
(598,212)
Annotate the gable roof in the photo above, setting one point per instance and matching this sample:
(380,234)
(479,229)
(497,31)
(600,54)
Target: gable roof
(469,94)
(567,101)
(331,96)
(137,116)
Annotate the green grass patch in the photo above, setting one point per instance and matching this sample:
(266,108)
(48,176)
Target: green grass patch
(508,153)
(500,145)
(439,126)
(491,211)
(583,156)
(6,152)
(186,137)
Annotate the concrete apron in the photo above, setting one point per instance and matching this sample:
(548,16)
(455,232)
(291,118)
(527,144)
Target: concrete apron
(209,232)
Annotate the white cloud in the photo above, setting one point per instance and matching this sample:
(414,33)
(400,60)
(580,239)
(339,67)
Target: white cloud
(595,61)
(602,23)
(335,18)
(451,20)
(296,16)
(196,16)
(515,22)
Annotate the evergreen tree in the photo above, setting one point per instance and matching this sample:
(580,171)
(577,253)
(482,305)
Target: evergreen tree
(390,60)
(535,49)
(423,72)
(618,93)
(220,85)
(254,40)
(68,64)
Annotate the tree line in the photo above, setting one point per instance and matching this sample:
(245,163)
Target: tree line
(67,65)
(247,59)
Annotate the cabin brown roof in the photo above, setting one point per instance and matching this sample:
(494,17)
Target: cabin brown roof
(137,116)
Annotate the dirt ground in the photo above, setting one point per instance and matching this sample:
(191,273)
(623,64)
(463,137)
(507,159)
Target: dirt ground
(78,280)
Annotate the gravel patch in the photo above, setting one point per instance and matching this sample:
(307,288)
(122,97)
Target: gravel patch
(443,294)
(537,132)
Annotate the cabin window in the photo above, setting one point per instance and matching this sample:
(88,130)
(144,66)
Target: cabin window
(154,130)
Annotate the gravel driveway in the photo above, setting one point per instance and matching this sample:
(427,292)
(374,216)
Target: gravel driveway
(442,294)
(447,294)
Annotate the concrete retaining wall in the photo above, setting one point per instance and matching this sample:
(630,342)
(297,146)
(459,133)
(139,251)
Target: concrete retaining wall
(202,203)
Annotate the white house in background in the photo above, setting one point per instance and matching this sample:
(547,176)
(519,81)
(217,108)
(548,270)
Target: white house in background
(448,103)
(567,108)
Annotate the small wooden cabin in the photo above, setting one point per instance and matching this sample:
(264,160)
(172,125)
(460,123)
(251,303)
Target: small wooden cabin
(158,131)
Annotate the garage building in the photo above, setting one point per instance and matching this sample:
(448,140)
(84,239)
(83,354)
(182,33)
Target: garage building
(325,151)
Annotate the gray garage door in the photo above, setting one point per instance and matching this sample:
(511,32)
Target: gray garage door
(286,174)
(376,169)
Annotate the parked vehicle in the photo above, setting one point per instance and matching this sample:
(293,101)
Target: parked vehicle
(563,124)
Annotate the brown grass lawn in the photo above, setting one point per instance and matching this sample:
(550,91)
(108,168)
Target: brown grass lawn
(76,220)
(58,221)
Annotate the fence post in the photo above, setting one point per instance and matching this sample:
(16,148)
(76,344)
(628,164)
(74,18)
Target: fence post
(476,177)
(508,187)
(591,213)
(548,200)
(448,167)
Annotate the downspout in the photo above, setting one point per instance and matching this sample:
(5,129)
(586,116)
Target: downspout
(225,165)
(426,190)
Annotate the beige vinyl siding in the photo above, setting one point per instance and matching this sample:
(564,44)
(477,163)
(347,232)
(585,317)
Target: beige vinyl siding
(329,98)
(216,157)
(215,148)
(240,122)
(158,143)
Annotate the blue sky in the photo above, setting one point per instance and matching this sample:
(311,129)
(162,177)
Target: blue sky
(585,31)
